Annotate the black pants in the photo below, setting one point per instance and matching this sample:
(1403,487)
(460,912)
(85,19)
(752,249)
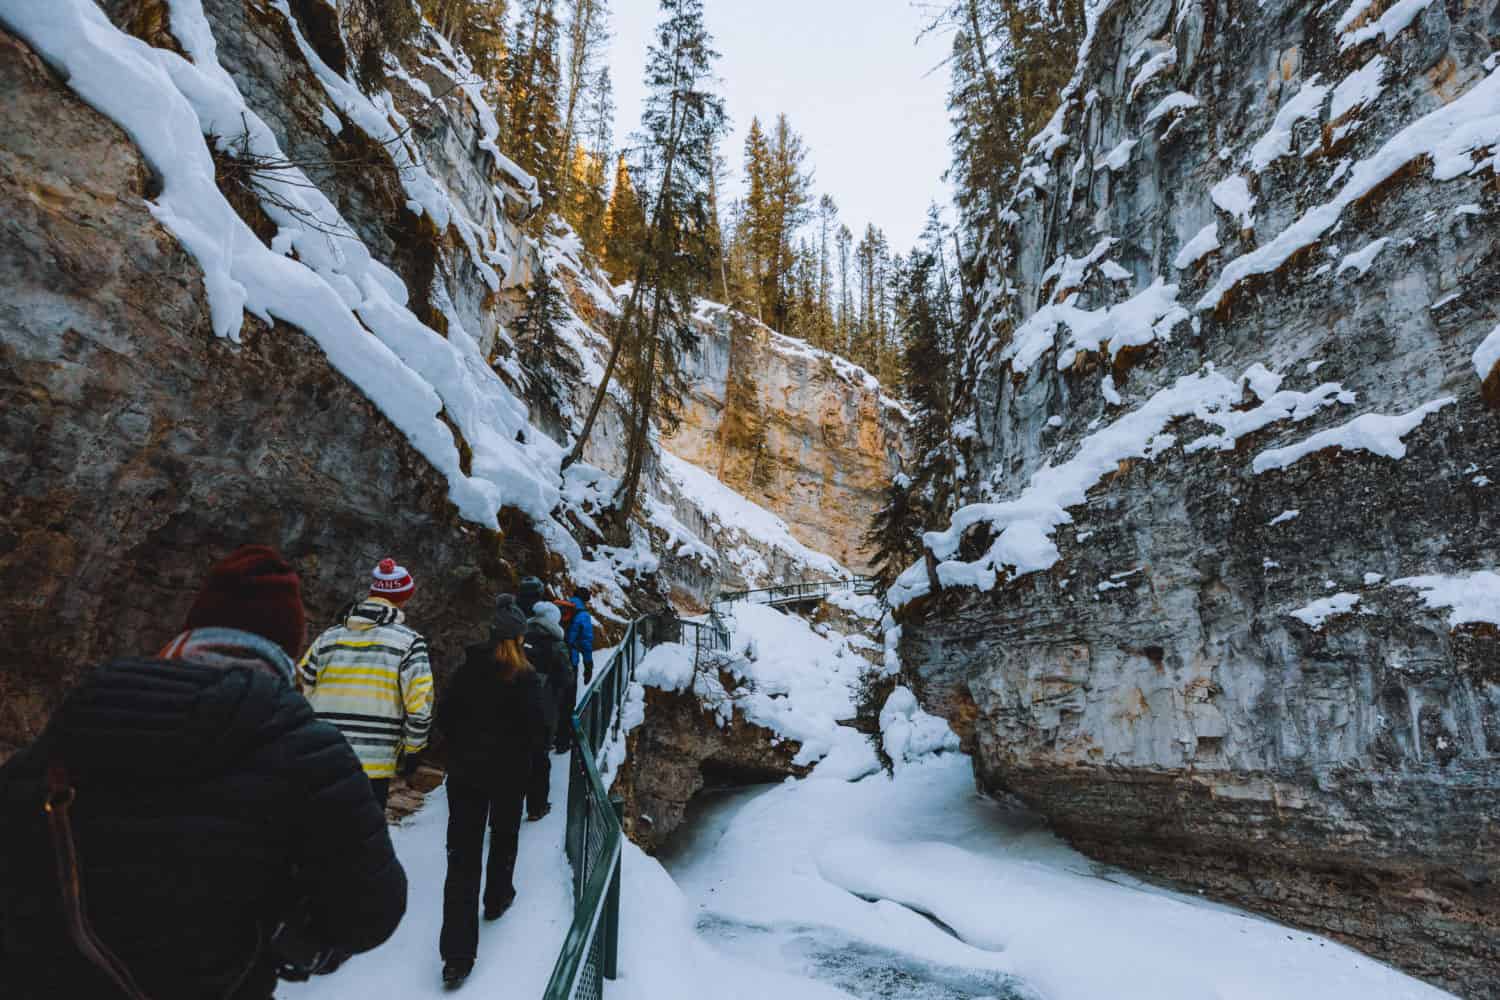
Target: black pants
(540,783)
(382,789)
(469,807)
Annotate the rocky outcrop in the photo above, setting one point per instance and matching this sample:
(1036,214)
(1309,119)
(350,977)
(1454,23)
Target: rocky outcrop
(799,431)
(1214,677)
(683,747)
(139,447)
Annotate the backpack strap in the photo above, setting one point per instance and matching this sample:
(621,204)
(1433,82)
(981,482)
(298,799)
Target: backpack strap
(59,800)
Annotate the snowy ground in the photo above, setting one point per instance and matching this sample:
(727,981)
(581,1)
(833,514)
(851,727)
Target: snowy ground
(516,953)
(901,887)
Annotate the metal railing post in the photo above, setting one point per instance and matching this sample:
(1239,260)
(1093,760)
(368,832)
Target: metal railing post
(612,905)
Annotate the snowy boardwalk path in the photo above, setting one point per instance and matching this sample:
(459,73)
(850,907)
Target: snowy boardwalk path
(516,953)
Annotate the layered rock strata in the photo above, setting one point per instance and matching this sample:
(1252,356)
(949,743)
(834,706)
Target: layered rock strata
(1204,654)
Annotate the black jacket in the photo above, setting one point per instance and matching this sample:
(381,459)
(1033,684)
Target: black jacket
(492,728)
(210,801)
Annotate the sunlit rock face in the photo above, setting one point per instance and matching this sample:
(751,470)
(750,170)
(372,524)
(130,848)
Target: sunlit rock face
(799,431)
(1203,684)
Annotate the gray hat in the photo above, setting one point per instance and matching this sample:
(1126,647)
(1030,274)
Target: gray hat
(509,622)
(530,591)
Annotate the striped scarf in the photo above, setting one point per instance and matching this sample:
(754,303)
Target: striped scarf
(227,648)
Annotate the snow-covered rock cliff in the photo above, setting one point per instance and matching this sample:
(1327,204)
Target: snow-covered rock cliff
(1222,605)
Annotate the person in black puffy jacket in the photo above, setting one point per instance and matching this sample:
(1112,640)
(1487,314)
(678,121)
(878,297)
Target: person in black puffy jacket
(211,812)
(493,717)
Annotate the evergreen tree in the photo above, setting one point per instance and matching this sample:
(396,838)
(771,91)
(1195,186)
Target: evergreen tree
(538,332)
(828,218)
(1006,77)
(844,242)
(624,225)
(590,191)
(895,532)
(755,212)
(533,86)
(788,193)
(680,125)
(477,28)
(588,38)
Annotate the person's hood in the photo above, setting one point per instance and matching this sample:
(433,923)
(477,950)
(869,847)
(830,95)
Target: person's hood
(551,624)
(371,613)
(166,718)
(578,603)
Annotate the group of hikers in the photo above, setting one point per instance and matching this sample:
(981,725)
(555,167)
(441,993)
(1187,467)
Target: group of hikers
(211,819)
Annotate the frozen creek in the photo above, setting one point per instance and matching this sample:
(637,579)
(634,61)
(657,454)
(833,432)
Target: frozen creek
(914,887)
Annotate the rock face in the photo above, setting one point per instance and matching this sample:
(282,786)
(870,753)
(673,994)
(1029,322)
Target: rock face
(799,431)
(1148,686)
(682,748)
(139,447)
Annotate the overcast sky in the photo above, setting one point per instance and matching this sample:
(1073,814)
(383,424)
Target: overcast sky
(850,77)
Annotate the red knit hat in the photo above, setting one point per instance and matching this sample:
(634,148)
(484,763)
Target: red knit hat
(391,582)
(254,590)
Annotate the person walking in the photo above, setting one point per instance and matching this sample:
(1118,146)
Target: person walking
(580,636)
(370,676)
(548,655)
(492,717)
(180,813)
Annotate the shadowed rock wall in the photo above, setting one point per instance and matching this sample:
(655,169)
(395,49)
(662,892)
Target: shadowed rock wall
(1153,693)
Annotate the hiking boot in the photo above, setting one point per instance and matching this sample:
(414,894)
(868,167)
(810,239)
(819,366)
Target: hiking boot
(454,973)
(534,816)
(495,912)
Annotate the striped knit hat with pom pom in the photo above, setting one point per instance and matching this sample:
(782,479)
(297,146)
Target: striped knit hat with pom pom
(391,582)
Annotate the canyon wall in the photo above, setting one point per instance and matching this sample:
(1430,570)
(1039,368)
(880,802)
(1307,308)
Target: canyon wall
(139,447)
(799,431)
(1223,605)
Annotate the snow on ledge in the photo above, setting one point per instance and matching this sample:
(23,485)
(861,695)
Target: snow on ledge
(1023,527)
(1277,142)
(1372,432)
(1363,259)
(1449,136)
(1488,355)
(1319,611)
(1200,246)
(1472,598)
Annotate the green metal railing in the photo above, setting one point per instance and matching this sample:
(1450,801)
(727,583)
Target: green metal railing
(796,593)
(595,840)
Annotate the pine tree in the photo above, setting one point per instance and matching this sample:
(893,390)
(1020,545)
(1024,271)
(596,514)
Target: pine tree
(533,85)
(538,333)
(680,124)
(624,226)
(1006,78)
(588,38)
(788,192)
(895,532)
(844,241)
(755,212)
(828,217)
(476,27)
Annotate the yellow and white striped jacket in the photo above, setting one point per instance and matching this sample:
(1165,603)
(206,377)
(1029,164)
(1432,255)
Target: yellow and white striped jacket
(370,677)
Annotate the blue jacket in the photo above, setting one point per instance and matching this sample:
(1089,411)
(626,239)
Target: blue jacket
(580,637)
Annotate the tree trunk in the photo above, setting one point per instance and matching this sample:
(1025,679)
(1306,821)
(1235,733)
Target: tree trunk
(658,216)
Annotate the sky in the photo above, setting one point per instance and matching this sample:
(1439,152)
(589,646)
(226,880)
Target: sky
(867,99)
